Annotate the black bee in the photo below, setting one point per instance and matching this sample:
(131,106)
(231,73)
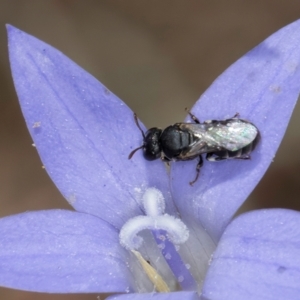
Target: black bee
(233,138)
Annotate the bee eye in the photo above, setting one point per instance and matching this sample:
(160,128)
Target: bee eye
(151,155)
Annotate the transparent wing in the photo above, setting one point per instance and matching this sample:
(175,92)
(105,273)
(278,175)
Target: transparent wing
(231,135)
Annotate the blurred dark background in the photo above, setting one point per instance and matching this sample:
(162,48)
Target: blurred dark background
(158,56)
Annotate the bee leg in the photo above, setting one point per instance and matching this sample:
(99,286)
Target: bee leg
(212,122)
(236,116)
(195,119)
(198,167)
(246,157)
(165,159)
(210,157)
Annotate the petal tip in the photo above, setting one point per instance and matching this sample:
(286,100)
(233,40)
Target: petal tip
(11,29)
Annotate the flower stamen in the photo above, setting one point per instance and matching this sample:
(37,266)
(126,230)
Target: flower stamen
(158,282)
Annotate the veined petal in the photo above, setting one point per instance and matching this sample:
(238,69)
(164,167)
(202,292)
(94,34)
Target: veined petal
(257,258)
(263,86)
(60,251)
(82,131)
(157,296)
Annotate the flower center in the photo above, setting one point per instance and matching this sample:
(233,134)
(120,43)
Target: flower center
(168,233)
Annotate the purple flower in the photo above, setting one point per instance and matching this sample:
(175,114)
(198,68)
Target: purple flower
(84,133)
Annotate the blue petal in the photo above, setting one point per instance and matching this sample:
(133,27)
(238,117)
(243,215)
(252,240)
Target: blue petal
(263,86)
(60,251)
(257,258)
(157,296)
(82,131)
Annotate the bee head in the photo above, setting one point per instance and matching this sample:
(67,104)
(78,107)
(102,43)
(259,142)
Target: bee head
(151,144)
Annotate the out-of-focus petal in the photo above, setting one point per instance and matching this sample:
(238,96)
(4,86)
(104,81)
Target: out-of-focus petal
(61,251)
(257,258)
(82,131)
(263,86)
(157,296)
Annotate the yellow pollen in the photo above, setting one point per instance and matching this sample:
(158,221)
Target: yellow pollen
(158,282)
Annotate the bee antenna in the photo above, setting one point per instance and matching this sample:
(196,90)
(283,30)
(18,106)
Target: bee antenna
(132,152)
(139,127)
(143,134)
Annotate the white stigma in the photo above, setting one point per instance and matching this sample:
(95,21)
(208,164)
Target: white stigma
(155,219)
(154,202)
